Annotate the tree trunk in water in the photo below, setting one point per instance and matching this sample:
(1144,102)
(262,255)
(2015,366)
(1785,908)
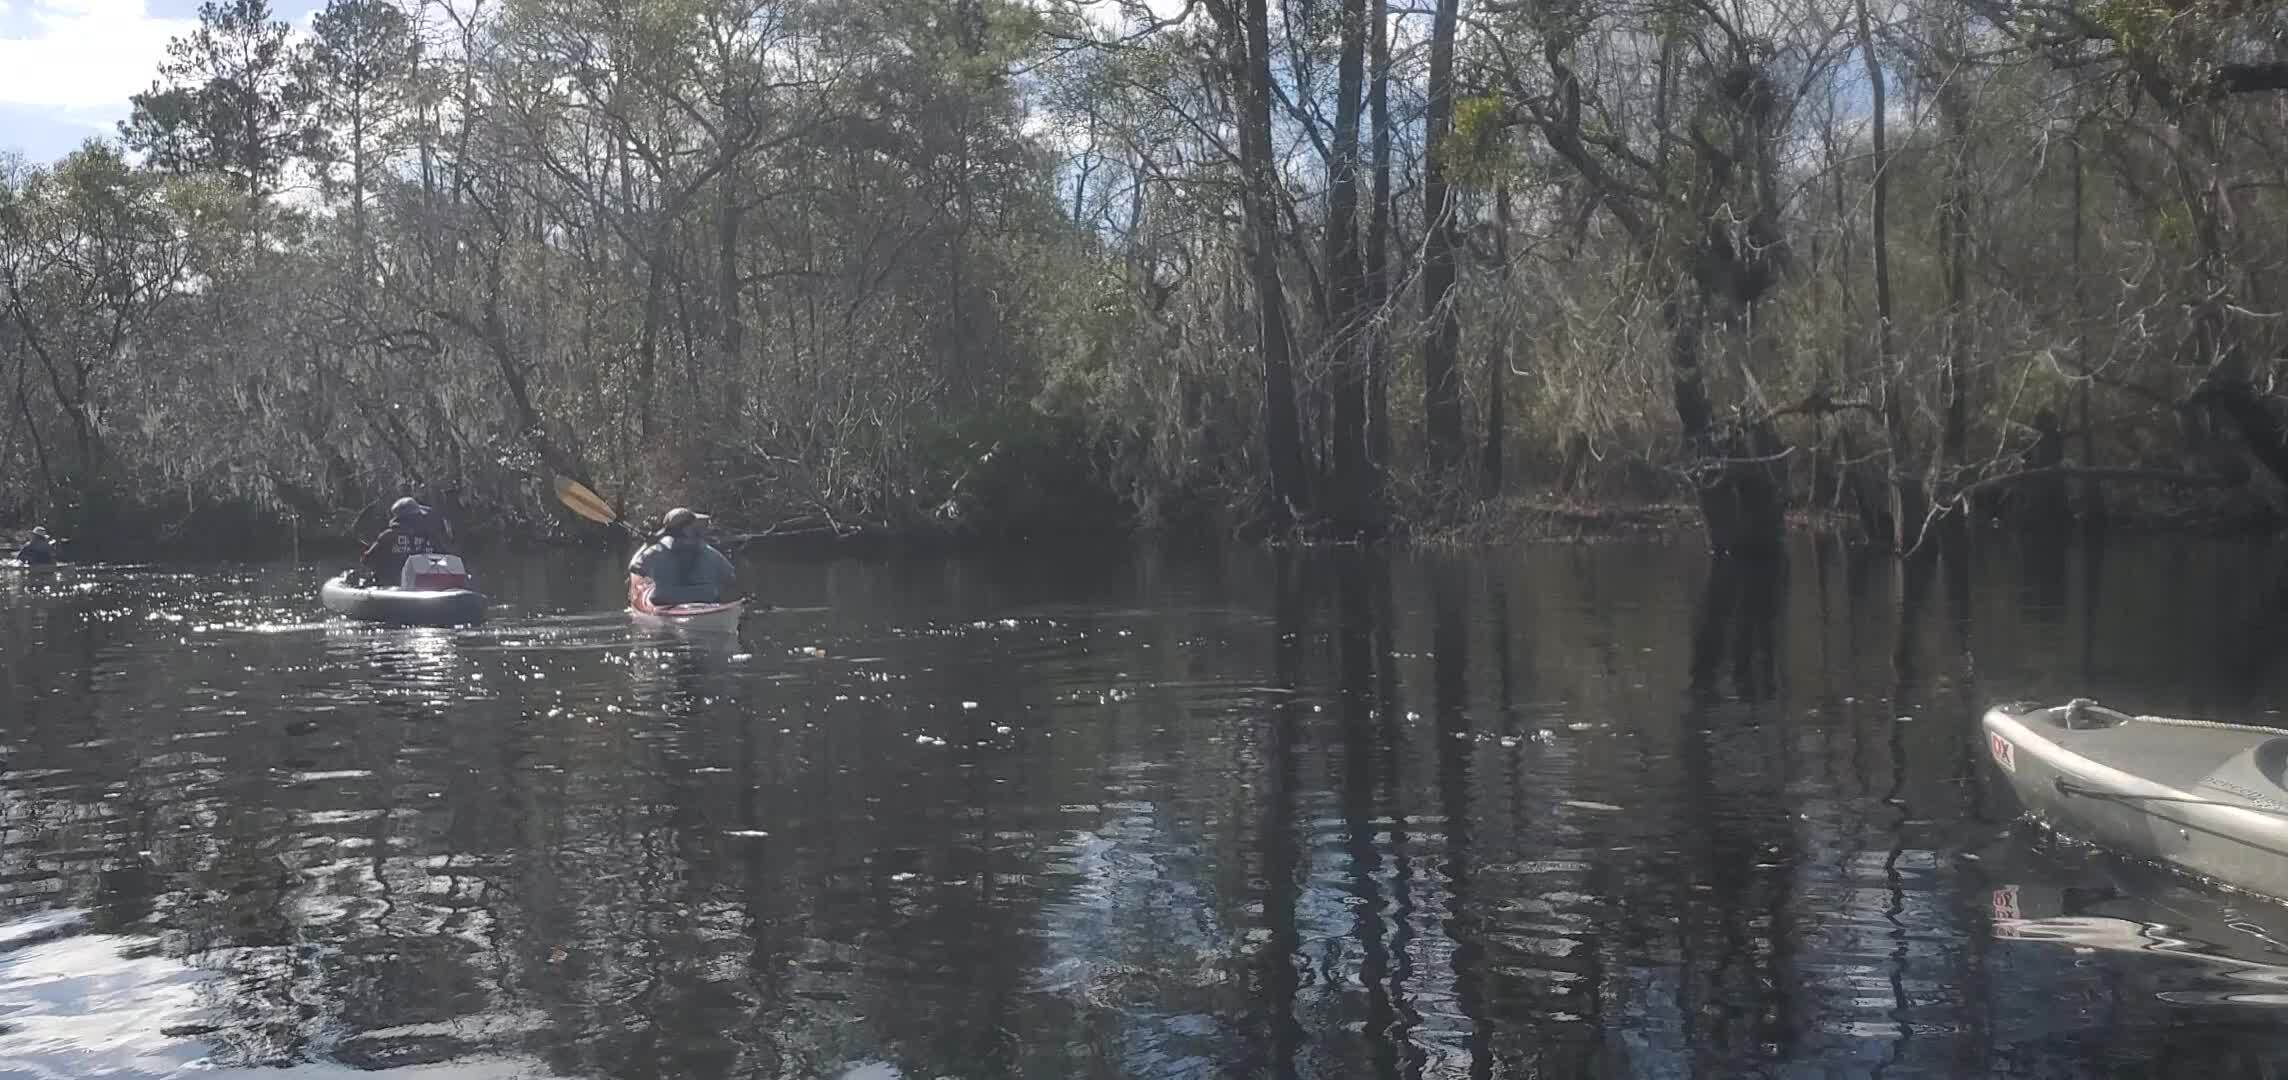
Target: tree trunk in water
(1497,357)
(1378,254)
(1441,391)
(2260,427)
(1906,496)
(1282,432)
(1738,503)
(1354,512)
(1687,388)
(1835,469)
(1954,239)
(1717,483)
(2092,493)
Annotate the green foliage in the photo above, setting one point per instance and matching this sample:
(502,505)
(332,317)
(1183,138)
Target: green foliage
(225,101)
(2137,25)
(1480,151)
(356,76)
(918,263)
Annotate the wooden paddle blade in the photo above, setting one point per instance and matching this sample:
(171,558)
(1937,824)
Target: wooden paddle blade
(577,498)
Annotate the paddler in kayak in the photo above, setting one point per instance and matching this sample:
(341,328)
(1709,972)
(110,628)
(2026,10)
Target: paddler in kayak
(413,529)
(680,566)
(39,550)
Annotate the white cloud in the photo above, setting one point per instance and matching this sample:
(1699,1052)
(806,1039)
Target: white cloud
(80,54)
(1119,16)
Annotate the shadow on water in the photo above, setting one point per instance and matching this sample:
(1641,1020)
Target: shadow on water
(1616,810)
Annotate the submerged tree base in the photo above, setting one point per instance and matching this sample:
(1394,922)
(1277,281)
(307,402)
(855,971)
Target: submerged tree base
(1541,518)
(1528,518)
(1042,489)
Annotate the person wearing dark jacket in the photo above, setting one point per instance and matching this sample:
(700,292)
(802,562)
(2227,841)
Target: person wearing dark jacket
(413,530)
(680,566)
(38,551)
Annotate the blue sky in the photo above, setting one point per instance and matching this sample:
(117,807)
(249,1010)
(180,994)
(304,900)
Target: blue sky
(68,66)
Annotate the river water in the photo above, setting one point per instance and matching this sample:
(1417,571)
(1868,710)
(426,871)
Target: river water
(1586,810)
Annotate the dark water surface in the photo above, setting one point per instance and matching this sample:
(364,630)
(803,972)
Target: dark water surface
(1564,811)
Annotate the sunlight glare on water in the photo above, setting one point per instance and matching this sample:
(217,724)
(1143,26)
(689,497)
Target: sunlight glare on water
(1571,811)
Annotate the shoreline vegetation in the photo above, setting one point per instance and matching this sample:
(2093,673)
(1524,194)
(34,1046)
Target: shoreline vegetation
(920,272)
(1510,522)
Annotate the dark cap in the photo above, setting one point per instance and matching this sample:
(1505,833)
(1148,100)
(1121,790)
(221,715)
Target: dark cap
(683,517)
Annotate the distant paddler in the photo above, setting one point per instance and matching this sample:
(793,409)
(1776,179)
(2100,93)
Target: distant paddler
(679,566)
(40,550)
(676,565)
(413,529)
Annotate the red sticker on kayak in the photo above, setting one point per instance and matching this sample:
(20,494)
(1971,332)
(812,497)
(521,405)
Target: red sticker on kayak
(2006,914)
(2005,754)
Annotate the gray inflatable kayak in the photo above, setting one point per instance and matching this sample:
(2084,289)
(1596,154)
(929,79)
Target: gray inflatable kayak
(403,607)
(2205,797)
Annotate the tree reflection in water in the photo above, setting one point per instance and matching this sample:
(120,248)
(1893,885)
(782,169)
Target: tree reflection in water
(1594,811)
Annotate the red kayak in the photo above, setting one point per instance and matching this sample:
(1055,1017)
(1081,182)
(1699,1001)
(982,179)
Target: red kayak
(725,616)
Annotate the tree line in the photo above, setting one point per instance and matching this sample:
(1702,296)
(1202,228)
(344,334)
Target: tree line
(1330,267)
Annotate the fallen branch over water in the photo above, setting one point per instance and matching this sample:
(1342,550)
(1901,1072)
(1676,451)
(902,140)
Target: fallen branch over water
(819,526)
(2093,472)
(1960,500)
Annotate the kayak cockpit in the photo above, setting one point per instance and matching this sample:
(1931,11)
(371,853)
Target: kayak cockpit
(2251,778)
(697,616)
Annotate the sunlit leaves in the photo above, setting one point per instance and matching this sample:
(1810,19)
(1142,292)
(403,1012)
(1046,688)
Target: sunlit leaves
(1481,148)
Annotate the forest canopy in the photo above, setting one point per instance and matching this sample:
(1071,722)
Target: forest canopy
(1331,266)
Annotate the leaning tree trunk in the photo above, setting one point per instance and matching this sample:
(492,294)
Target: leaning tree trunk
(1954,241)
(1906,496)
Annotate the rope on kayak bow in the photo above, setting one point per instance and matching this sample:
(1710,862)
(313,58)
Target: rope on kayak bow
(2076,708)
(2214,725)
